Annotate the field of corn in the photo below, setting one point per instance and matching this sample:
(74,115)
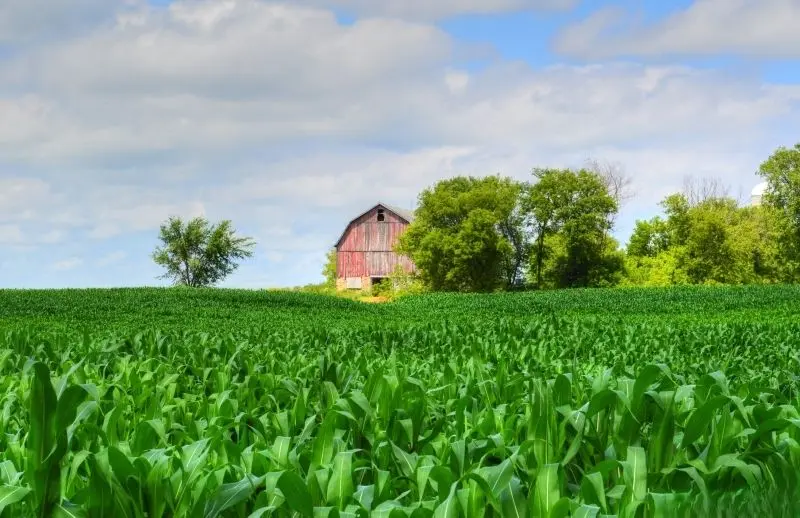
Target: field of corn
(221,403)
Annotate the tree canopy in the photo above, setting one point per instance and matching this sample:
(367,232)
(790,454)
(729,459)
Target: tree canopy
(710,241)
(196,253)
(556,231)
(466,234)
(782,174)
(483,234)
(571,213)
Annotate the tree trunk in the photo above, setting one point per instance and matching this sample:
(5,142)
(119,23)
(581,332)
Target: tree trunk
(539,259)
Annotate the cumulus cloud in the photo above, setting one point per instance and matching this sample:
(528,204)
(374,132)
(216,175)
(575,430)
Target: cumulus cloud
(18,236)
(23,198)
(11,234)
(430,10)
(201,77)
(205,79)
(757,28)
(288,122)
(67,264)
(111,258)
(29,21)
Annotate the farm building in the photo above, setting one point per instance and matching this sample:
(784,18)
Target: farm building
(365,251)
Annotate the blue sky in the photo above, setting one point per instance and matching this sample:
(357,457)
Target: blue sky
(291,118)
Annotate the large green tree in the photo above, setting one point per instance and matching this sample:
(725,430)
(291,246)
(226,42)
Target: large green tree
(196,253)
(571,216)
(467,234)
(782,174)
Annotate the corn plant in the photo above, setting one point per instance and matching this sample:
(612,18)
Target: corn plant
(288,405)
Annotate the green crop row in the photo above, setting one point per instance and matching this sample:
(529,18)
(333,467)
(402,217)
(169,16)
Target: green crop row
(212,310)
(235,404)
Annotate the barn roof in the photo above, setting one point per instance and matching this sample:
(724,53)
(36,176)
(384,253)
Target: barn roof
(405,214)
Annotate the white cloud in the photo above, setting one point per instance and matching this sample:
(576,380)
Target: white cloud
(67,264)
(435,10)
(763,28)
(288,123)
(23,198)
(28,236)
(132,210)
(111,258)
(194,79)
(11,235)
(456,81)
(202,81)
(25,21)
(52,237)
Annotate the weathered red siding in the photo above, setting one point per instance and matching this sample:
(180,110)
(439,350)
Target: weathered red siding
(370,264)
(372,236)
(367,247)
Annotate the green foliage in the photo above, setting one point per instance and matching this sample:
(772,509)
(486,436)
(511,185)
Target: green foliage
(225,403)
(383,288)
(329,269)
(197,254)
(707,238)
(571,213)
(486,234)
(401,283)
(492,233)
(649,238)
(782,174)
(464,234)
(712,241)
(661,269)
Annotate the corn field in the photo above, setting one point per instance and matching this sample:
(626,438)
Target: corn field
(221,403)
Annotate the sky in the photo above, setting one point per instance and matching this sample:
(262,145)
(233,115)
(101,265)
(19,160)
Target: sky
(292,118)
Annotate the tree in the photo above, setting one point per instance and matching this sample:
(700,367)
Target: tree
(709,252)
(782,174)
(696,191)
(329,269)
(578,207)
(541,202)
(617,182)
(649,238)
(197,253)
(514,230)
(467,234)
(676,207)
(710,240)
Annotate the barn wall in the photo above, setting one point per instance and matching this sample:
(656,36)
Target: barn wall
(372,236)
(370,264)
(368,234)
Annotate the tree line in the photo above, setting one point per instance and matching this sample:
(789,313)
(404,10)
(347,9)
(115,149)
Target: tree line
(555,231)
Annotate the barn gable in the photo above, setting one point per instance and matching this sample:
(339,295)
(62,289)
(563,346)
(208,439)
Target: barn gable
(394,214)
(365,250)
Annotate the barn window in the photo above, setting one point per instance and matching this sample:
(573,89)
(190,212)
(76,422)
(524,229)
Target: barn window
(381,216)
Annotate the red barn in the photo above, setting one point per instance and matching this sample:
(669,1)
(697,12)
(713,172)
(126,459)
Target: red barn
(365,251)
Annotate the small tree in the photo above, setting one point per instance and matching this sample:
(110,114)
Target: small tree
(199,254)
(329,269)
